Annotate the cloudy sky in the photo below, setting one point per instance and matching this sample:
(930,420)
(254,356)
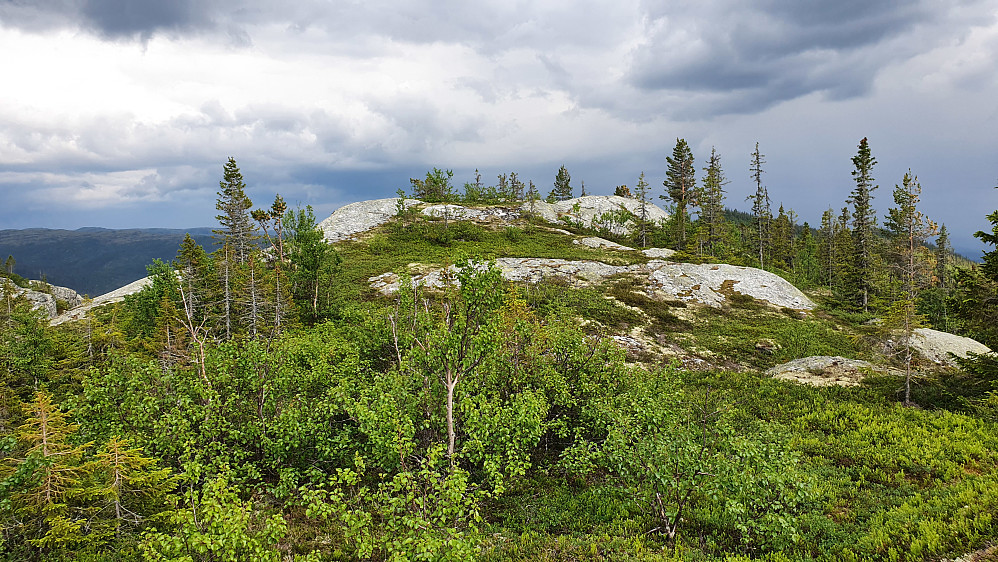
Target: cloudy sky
(120,113)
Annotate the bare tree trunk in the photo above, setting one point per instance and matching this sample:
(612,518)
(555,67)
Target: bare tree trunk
(451,383)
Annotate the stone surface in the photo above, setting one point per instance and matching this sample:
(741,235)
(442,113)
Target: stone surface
(116,295)
(39,300)
(703,283)
(592,211)
(587,211)
(481,214)
(71,297)
(707,283)
(822,370)
(658,253)
(937,346)
(350,220)
(43,297)
(599,243)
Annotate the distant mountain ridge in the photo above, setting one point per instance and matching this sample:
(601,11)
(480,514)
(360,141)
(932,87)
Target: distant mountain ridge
(93,260)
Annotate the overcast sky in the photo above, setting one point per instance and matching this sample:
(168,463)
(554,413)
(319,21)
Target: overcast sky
(121,113)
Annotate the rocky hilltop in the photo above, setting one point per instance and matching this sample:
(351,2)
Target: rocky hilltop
(651,276)
(49,299)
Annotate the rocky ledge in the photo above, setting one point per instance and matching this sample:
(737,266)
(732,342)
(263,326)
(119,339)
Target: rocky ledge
(704,283)
(43,297)
(822,370)
(116,295)
(592,211)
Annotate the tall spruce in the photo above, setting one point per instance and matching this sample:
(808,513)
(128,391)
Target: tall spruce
(680,183)
(238,230)
(943,252)
(782,236)
(711,200)
(762,213)
(641,191)
(864,220)
(909,229)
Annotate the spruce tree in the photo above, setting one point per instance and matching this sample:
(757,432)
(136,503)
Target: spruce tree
(679,183)
(842,267)
(909,228)
(761,210)
(562,190)
(44,503)
(864,220)
(237,229)
(943,253)
(712,204)
(782,233)
(641,191)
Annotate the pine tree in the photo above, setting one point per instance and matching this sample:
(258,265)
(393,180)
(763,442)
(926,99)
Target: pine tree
(909,229)
(562,190)
(712,204)
(761,210)
(864,220)
(679,183)
(237,229)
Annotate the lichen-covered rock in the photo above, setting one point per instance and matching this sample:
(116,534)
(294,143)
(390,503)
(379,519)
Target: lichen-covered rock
(937,346)
(658,253)
(596,211)
(592,211)
(481,214)
(362,216)
(39,300)
(69,296)
(43,296)
(822,370)
(708,283)
(600,243)
(704,283)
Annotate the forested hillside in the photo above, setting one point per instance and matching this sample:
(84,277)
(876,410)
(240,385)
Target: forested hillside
(91,261)
(272,404)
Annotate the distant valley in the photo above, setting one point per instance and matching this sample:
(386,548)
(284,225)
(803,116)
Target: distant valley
(92,260)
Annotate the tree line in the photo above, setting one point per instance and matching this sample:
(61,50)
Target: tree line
(851,253)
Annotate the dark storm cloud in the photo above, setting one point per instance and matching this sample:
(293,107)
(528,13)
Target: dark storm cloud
(131,18)
(759,54)
(112,19)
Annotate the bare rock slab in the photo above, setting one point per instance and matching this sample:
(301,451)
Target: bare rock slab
(938,346)
(704,283)
(116,295)
(823,370)
(593,211)
(355,218)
